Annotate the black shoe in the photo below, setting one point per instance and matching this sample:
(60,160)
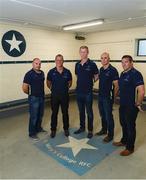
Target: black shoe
(34,137)
(101,132)
(66,133)
(90,135)
(107,139)
(79,131)
(53,134)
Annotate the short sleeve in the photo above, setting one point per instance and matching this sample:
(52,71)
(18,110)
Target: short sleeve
(43,75)
(115,75)
(95,69)
(138,79)
(69,76)
(49,76)
(27,79)
(76,68)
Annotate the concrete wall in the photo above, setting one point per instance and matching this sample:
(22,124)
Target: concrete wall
(40,43)
(117,43)
(46,44)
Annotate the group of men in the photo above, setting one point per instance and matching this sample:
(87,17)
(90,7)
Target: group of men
(129,87)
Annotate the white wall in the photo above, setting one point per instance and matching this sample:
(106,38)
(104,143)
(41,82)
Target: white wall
(117,43)
(40,43)
(46,44)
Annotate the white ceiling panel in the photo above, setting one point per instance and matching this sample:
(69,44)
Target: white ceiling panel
(57,13)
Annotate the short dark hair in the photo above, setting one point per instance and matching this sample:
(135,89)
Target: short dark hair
(59,55)
(128,57)
(84,47)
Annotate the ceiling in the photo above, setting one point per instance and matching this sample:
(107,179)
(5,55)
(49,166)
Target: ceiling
(53,14)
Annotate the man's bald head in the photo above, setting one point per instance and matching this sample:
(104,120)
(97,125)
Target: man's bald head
(36,63)
(105,58)
(105,54)
(36,59)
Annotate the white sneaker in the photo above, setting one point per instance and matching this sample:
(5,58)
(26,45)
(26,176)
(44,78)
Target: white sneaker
(34,137)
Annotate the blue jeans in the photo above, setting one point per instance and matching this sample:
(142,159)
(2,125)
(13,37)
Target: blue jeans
(85,101)
(36,110)
(105,105)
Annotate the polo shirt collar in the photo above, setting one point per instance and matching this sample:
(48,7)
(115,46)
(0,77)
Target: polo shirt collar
(57,71)
(107,67)
(36,71)
(128,70)
(88,60)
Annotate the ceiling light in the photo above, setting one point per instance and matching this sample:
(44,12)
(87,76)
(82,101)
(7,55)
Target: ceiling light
(83,24)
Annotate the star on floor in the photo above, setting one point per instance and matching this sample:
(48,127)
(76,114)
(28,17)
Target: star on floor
(77,145)
(14,43)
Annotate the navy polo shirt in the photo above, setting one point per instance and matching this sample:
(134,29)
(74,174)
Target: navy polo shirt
(106,78)
(127,84)
(85,74)
(36,82)
(59,80)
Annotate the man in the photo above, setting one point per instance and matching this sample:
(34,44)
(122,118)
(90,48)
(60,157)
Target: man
(33,85)
(59,80)
(86,71)
(132,92)
(108,78)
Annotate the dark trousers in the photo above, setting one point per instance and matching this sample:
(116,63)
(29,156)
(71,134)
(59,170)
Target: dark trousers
(105,105)
(85,102)
(56,101)
(36,110)
(128,117)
